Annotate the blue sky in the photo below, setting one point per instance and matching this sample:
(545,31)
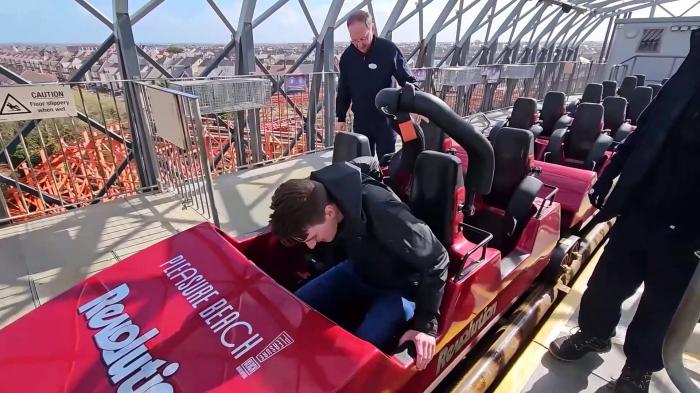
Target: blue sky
(194,21)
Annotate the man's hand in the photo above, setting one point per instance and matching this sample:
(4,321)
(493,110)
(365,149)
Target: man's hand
(599,193)
(425,346)
(341,126)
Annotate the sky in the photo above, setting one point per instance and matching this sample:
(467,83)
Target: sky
(194,21)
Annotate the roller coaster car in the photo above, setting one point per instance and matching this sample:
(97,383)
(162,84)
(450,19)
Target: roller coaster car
(202,311)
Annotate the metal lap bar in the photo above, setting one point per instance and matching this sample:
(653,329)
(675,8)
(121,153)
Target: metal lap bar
(549,197)
(487,237)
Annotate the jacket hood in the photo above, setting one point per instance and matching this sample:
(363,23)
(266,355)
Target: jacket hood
(343,181)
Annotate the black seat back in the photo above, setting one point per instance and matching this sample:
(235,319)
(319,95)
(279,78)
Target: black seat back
(627,87)
(523,114)
(434,136)
(609,88)
(641,98)
(592,93)
(553,108)
(350,145)
(584,132)
(656,88)
(641,79)
(615,112)
(432,198)
(513,149)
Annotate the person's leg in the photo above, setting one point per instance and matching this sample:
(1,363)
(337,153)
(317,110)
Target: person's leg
(387,315)
(370,138)
(385,138)
(332,290)
(617,276)
(672,262)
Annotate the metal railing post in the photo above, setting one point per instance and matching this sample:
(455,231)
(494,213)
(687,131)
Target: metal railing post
(679,332)
(204,159)
(141,143)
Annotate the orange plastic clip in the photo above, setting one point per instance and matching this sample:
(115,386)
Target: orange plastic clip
(408,131)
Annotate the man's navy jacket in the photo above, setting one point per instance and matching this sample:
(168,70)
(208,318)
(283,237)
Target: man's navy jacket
(363,75)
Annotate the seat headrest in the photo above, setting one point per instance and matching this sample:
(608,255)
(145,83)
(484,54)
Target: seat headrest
(609,88)
(513,149)
(615,112)
(434,136)
(587,126)
(436,177)
(641,98)
(641,79)
(523,114)
(656,88)
(592,93)
(627,87)
(553,108)
(350,145)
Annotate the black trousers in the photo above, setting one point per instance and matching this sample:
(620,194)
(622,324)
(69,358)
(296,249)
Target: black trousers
(382,138)
(663,258)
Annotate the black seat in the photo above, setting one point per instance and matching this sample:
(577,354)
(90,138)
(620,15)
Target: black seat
(641,98)
(627,87)
(434,136)
(609,88)
(584,144)
(641,79)
(524,116)
(615,118)
(592,93)
(513,190)
(402,163)
(436,177)
(348,146)
(656,88)
(553,113)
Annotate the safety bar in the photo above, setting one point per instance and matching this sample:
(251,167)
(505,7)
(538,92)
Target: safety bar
(488,236)
(679,333)
(549,197)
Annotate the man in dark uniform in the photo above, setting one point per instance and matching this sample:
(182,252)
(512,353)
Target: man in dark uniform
(656,239)
(394,270)
(366,67)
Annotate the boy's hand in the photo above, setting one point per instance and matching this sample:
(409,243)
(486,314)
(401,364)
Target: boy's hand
(425,347)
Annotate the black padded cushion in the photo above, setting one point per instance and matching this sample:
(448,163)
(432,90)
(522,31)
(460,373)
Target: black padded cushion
(592,93)
(609,88)
(585,130)
(512,148)
(553,108)
(641,98)
(523,113)
(434,136)
(350,145)
(627,87)
(436,177)
(656,88)
(641,79)
(615,112)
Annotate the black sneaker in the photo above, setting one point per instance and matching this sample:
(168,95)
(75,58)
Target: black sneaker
(633,381)
(575,346)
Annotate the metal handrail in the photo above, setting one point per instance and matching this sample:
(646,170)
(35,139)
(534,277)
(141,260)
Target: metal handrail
(680,331)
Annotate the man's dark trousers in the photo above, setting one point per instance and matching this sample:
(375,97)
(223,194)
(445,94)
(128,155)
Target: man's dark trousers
(382,138)
(640,250)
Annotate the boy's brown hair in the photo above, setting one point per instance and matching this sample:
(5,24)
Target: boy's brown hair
(296,205)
